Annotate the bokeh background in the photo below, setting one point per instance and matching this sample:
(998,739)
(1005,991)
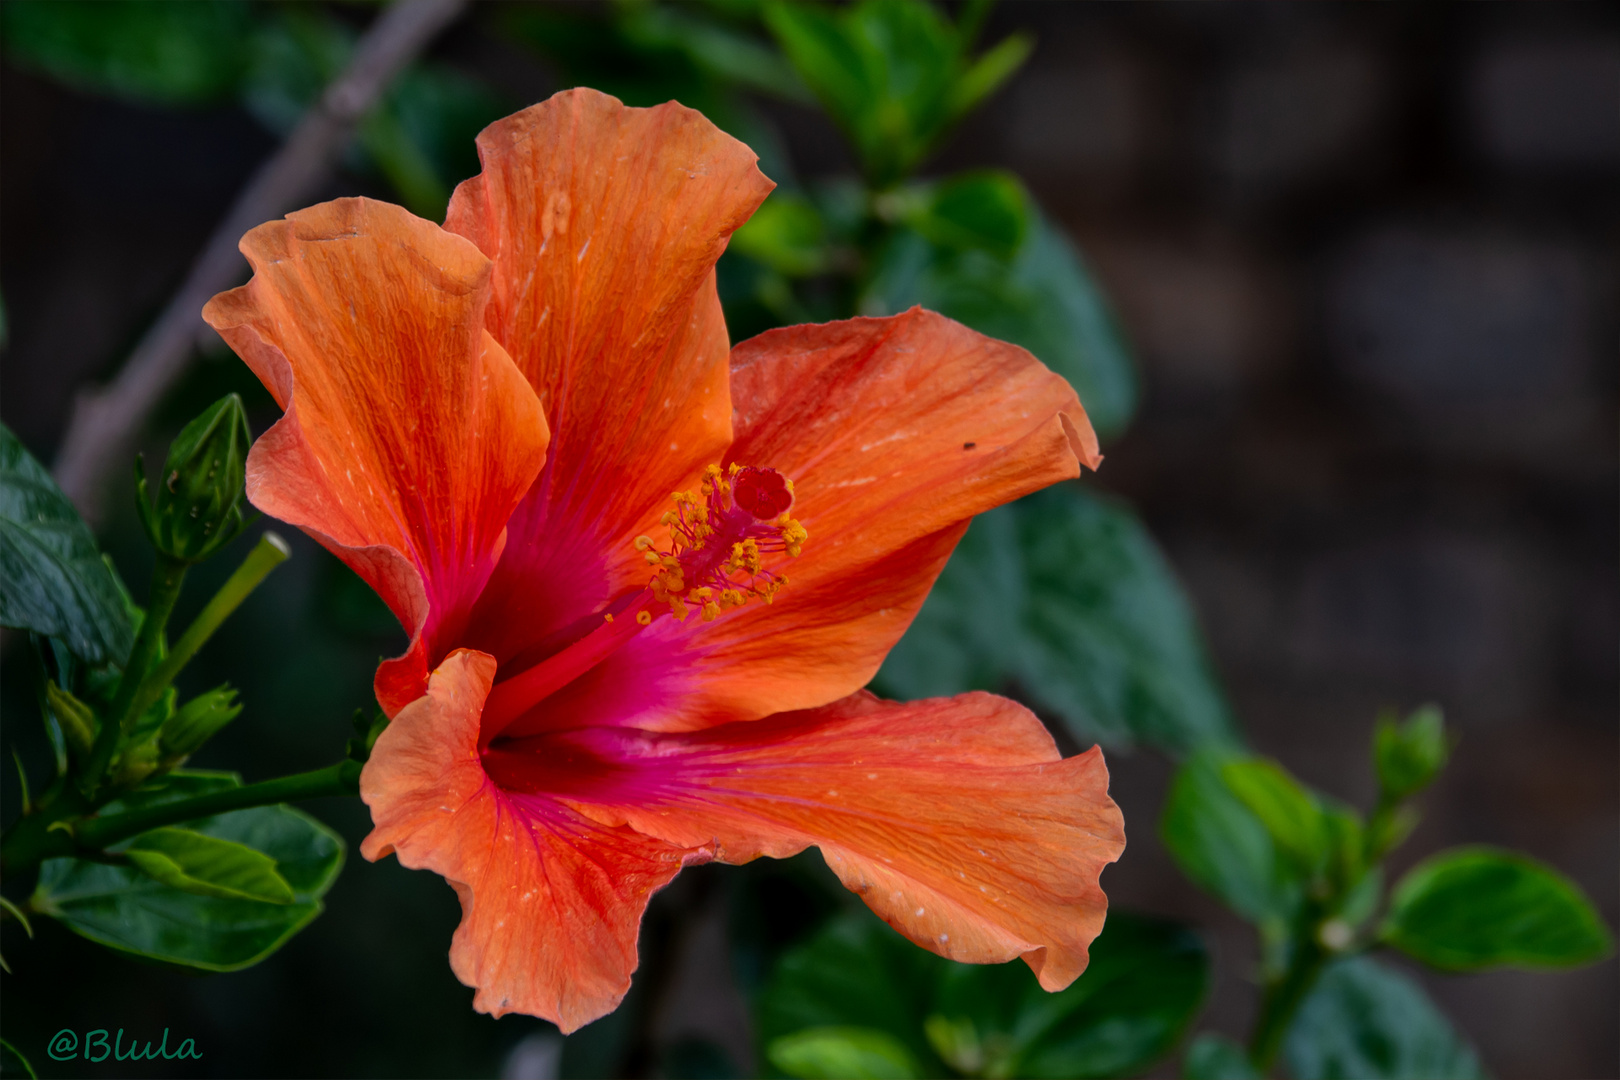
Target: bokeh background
(1367,257)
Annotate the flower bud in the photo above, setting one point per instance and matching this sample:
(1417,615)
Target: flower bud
(198,508)
(78,722)
(197,722)
(1409,756)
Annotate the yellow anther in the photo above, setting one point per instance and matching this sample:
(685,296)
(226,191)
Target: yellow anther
(643,543)
(644,617)
(711,611)
(677,608)
(608,617)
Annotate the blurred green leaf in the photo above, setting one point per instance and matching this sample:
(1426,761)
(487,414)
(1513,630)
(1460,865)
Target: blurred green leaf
(167,51)
(124,909)
(786,234)
(842,1053)
(1141,989)
(1365,1021)
(13,1063)
(893,74)
(1473,908)
(1041,297)
(1221,846)
(1064,598)
(1409,756)
(725,52)
(855,973)
(1145,980)
(52,577)
(1289,812)
(986,210)
(1215,1057)
(208,866)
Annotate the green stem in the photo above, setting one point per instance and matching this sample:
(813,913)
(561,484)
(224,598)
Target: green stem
(167,577)
(1284,996)
(270,552)
(33,840)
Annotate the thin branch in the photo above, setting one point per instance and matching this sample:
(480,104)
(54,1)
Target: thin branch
(106,420)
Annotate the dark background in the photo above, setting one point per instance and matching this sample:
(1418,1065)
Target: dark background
(1367,256)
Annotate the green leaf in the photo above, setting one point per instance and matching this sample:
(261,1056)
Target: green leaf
(124,909)
(1215,1057)
(989,72)
(1065,598)
(1289,812)
(208,866)
(855,973)
(52,578)
(12,1063)
(1474,908)
(1365,1021)
(1409,756)
(836,1053)
(1042,297)
(1141,989)
(1218,843)
(1144,983)
(786,234)
(166,51)
(986,210)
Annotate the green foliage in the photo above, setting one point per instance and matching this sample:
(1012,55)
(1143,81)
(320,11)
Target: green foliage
(1290,814)
(1215,1057)
(208,866)
(1474,908)
(173,52)
(842,1053)
(1409,756)
(1065,598)
(894,74)
(1222,847)
(1365,1021)
(52,577)
(123,908)
(199,720)
(950,254)
(859,991)
(786,234)
(198,508)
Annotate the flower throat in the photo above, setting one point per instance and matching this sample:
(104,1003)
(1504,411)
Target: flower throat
(719,537)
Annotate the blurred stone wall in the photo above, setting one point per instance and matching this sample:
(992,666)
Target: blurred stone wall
(1367,255)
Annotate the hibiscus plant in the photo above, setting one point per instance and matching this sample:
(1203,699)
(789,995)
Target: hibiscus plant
(671,600)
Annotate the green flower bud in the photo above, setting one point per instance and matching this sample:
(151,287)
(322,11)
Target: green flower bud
(198,508)
(197,722)
(1409,756)
(78,721)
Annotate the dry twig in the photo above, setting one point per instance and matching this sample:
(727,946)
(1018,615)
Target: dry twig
(107,419)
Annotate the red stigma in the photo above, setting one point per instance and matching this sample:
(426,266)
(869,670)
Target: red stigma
(762,492)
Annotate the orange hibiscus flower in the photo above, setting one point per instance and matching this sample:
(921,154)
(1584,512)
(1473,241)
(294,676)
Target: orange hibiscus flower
(604,685)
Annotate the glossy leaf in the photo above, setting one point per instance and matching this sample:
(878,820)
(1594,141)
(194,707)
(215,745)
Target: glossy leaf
(1366,1021)
(166,51)
(1042,296)
(1215,1057)
(1289,813)
(842,1053)
(986,210)
(1474,908)
(1064,599)
(208,866)
(1141,989)
(855,973)
(1145,981)
(786,234)
(52,577)
(124,909)
(1222,847)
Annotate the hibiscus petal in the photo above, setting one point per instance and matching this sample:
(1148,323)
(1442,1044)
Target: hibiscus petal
(955,819)
(409,435)
(551,901)
(604,223)
(895,432)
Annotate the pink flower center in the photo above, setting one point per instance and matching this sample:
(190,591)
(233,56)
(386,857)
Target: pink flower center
(719,537)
